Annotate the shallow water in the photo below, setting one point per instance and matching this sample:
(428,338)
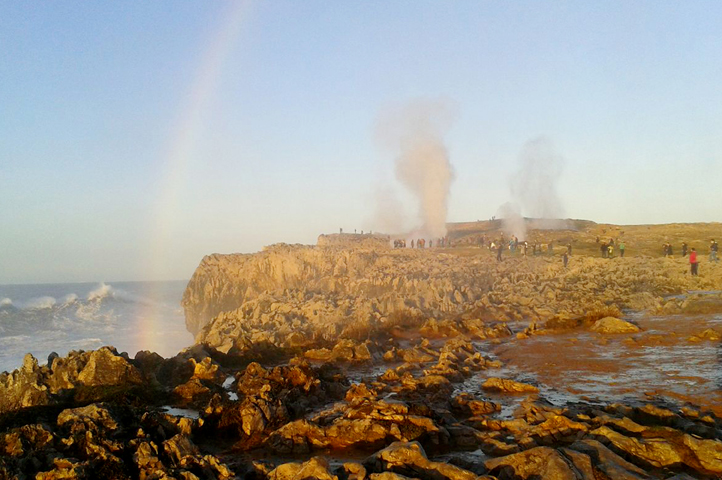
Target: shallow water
(660,360)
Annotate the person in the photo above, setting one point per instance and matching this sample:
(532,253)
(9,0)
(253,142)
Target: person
(431,244)
(565,257)
(693,262)
(669,250)
(713,247)
(603,248)
(499,249)
(569,249)
(684,249)
(621,249)
(610,250)
(412,243)
(524,247)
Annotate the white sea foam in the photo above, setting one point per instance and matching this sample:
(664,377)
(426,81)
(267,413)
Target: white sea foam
(69,298)
(5,302)
(101,292)
(41,303)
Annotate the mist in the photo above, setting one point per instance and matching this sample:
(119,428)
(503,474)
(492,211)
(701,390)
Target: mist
(414,134)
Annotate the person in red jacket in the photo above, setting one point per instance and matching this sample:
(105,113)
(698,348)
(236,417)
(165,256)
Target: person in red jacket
(693,261)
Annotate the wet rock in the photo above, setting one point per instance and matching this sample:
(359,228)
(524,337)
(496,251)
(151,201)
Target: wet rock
(316,468)
(667,447)
(352,471)
(409,459)
(611,325)
(495,384)
(388,476)
(604,461)
(363,424)
(539,462)
(708,334)
(467,405)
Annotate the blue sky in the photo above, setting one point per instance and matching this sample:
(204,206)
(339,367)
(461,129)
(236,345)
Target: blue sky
(136,138)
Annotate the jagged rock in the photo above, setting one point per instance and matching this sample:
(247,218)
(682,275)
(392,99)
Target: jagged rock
(606,462)
(409,459)
(667,447)
(32,385)
(363,424)
(388,476)
(466,404)
(94,417)
(180,449)
(316,468)
(613,325)
(539,462)
(508,386)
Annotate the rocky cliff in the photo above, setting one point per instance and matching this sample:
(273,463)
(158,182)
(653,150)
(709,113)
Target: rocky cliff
(301,296)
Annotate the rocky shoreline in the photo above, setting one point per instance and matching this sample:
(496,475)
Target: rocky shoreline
(364,362)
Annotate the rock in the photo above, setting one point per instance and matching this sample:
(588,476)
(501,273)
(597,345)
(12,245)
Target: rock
(466,404)
(608,463)
(667,447)
(94,417)
(106,367)
(388,476)
(315,468)
(508,386)
(409,459)
(610,325)
(181,450)
(539,462)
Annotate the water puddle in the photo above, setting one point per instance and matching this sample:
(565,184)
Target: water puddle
(181,412)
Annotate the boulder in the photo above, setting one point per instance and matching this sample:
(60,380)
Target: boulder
(612,325)
(316,468)
(508,386)
(409,459)
(536,463)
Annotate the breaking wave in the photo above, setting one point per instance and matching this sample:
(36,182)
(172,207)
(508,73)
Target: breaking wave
(103,291)
(131,316)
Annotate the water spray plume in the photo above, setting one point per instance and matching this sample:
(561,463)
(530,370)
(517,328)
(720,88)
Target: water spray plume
(534,189)
(414,133)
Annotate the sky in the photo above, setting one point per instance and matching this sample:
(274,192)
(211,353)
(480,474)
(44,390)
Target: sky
(137,137)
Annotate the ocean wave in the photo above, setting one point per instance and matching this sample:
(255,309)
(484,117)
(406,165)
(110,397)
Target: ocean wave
(41,303)
(69,298)
(5,302)
(103,291)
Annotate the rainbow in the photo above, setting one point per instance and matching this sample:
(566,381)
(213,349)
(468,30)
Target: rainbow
(179,158)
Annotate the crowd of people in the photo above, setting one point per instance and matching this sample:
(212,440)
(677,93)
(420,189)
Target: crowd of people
(422,242)
(607,249)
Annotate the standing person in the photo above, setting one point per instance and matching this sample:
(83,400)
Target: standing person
(610,250)
(603,248)
(412,243)
(565,257)
(569,249)
(621,249)
(713,247)
(524,247)
(499,249)
(693,262)
(684,249)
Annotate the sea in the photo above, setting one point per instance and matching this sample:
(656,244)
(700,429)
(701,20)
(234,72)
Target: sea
(130,316)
